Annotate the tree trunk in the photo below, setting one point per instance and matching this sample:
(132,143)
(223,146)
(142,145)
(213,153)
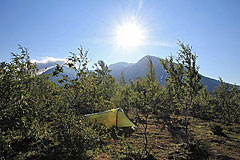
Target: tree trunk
(228,110)
(145,134)
(186,127)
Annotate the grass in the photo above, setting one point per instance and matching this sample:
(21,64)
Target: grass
(165,136)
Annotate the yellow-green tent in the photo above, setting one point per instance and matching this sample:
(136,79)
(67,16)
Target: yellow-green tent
(111,118)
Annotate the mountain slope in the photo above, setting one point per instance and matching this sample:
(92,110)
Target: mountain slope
(140,69)
(69,72)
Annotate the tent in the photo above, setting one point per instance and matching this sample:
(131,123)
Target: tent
(111,118)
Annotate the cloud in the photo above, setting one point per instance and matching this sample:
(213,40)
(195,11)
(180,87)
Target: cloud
(160,43)
(48,62)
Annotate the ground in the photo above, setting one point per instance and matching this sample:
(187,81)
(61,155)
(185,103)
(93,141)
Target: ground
(166,135)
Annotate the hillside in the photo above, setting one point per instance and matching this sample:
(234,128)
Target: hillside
(139,69)
(69,72)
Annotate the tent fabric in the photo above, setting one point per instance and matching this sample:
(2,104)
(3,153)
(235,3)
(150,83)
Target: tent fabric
(110,118)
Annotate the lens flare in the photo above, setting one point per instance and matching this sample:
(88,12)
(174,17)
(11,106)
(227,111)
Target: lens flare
(129,35)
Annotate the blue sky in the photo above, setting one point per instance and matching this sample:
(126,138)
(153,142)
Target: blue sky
(54,28)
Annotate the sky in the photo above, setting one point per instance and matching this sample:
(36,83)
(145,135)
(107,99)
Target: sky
(52,29)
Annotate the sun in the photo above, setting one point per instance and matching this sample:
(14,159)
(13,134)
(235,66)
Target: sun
(129,35)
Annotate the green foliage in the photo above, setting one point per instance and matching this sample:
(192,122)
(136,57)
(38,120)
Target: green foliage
(126,152)
(226,103)
(122,98)
(36,122)
(184,80)
(183,77)
(122,80)
(203,104)
(88,92)
(40,119)
(73,139)
(146,99)
(221,106)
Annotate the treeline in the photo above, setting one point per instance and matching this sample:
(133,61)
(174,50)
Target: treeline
(43,119)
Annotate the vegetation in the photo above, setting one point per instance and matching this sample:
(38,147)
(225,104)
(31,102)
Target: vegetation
(184,81)
(181,120)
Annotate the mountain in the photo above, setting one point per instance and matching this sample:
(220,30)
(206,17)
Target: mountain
(139,69)
(69,72)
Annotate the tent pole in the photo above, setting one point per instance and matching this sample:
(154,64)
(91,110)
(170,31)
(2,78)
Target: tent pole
(117,119)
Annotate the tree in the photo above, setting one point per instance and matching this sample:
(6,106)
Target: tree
(36,121)
(89,91)
(122,98)
(226,102)
(184,80)
(122,80)
(28,102)
(146,99)
(203,103)
(106,81)
(235,102)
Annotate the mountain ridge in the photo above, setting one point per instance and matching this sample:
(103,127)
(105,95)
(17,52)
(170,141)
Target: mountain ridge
(139,69)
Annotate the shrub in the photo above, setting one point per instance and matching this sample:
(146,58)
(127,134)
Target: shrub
(191,151)
(35,120)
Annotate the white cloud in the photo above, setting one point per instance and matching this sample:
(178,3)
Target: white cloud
(160,43)
(48,59)
(48,62)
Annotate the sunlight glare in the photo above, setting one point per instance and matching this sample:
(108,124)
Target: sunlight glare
(129,35)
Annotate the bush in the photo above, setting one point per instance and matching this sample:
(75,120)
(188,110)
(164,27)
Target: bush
(75,140)
(35,121)
(125,151)
(191,151)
